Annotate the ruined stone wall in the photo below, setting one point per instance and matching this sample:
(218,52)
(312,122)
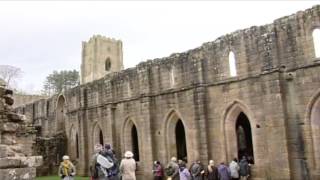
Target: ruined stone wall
(16,142)
(51,149)
(20,99)
(276,87)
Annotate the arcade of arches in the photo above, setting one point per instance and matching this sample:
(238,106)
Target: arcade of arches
(190,105)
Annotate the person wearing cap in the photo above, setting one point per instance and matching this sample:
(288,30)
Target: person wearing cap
(66,169)
(128,167)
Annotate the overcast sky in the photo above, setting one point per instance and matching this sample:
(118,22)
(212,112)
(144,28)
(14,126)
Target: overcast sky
(40,37)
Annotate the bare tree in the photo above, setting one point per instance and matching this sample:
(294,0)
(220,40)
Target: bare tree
(9,74)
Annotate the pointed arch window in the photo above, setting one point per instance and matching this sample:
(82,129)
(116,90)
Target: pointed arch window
(172,77)
(181,141)
(77,146)
(135,143)
(232,64)
(101,137)
(60,114)
(316,42)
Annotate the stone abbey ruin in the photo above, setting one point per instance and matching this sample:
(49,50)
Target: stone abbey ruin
(16,141)
(253,92)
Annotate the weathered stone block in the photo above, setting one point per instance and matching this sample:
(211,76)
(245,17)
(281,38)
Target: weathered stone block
(8,139)
(10,162)
(15,117)
(18,174)
(5,151)
(9,127)
(31,161)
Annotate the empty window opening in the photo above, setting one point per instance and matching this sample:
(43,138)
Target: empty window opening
(172,74)
(48,107)
(181,141)
(129,89)
(108,64)
(316,42)
(101,138)
(61,113)
(232,64)
(244,138)
(135,143)
(77,146)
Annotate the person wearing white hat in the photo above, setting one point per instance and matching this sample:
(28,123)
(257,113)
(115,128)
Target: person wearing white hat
(66,169)
(128,166)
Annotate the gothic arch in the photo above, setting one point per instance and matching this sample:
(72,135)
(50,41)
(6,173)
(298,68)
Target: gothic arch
(316,41)
(97,135)
(61,113)
(313,119)
(73,143)
(176,136)
(232,64)
(229,128)
(131,138)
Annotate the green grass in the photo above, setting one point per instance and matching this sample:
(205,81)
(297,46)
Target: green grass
(58,178)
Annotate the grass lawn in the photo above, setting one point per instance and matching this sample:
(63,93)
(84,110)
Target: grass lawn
(58,178)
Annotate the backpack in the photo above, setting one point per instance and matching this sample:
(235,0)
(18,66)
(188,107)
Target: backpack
(169,170)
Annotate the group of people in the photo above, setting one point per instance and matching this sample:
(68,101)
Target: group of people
(177,170)
(105,166)
(124,170)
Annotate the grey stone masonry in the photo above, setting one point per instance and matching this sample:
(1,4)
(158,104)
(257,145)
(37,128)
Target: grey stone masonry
(16,160)
(194,106)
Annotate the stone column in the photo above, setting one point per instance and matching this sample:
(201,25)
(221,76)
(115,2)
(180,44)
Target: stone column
(298,164)
(146,138)
(201,121)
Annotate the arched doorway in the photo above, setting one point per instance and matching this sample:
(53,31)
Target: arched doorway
(60,114)
(131,139)
(175,137)
(181,144)
(315,127)
(97,135)
(244,137)
(73,147)
(238,133)
(135,143)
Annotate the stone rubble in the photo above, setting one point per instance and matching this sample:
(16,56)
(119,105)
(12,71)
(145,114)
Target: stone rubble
(16,161)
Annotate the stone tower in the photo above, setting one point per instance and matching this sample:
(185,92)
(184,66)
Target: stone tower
(100,56)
